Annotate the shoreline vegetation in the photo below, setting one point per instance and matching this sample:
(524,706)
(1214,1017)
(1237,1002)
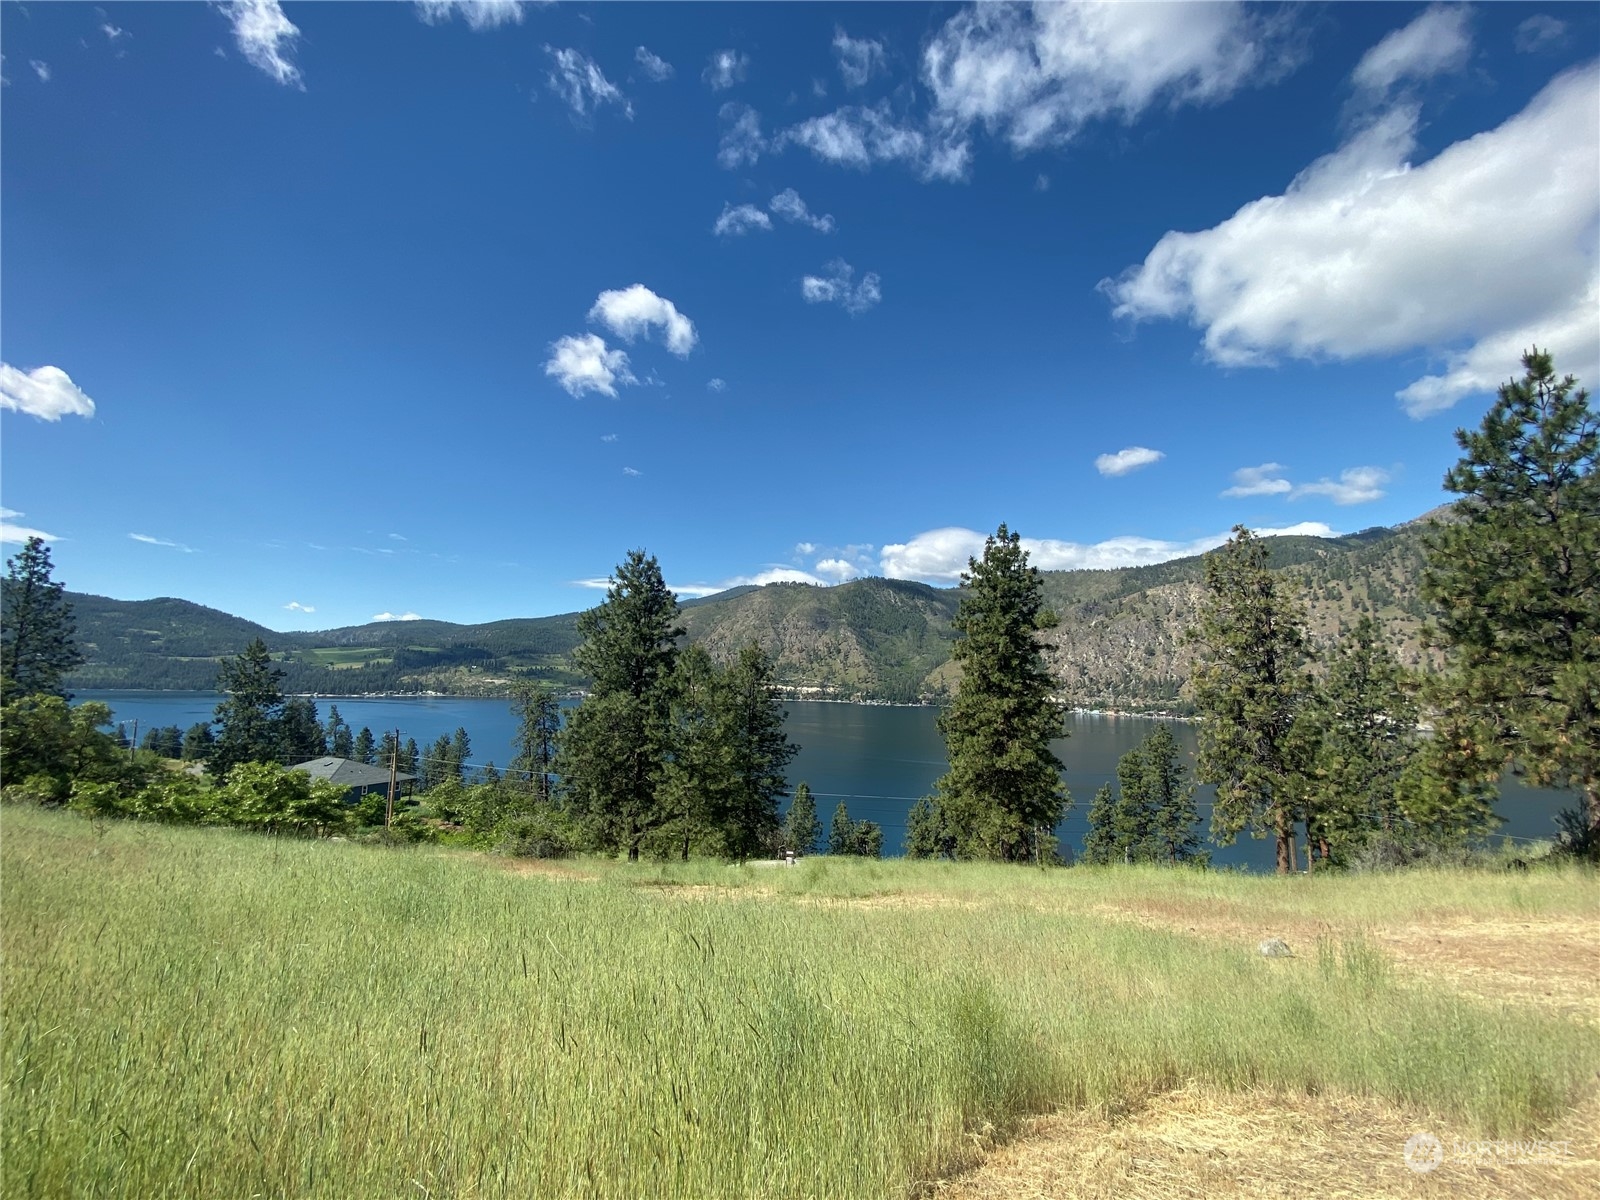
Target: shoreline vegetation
(364,1022)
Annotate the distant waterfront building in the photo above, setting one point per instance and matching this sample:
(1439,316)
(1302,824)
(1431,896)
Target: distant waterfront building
(357,778)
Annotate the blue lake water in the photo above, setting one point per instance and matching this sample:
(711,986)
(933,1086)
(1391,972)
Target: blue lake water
(876,758)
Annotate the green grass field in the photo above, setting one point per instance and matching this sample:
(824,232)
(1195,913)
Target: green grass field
(203,1013)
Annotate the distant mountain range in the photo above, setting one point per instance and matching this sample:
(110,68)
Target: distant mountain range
(1119,644)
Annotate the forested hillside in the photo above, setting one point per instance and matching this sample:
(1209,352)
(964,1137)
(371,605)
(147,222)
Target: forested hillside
(1119,643)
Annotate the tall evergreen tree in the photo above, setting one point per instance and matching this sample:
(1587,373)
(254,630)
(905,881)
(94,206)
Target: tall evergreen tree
(613,752)
(37,633)
(300,735)
(1362,721)
(863,839)
(341,744)
(1101,845)
(1003,794)
(1515,582)
(801,827)
(1167,793)
(362,749)
(926,835)
(1249,685)
(538,729)
(697,779)
(760,751)
(197,742)
(460,754)
(248,729)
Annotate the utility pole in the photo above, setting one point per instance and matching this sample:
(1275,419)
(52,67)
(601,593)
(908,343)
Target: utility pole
(394,766)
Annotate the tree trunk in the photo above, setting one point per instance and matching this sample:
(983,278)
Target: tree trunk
(1285,849)
(1591,802)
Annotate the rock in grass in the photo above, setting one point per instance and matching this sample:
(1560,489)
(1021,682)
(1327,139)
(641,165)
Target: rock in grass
(1276,948)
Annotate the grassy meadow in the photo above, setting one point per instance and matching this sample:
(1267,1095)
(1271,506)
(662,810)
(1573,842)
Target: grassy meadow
(203,1013)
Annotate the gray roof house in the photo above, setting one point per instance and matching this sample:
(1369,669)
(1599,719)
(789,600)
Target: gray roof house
(357,778)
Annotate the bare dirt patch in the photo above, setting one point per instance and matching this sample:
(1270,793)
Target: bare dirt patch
(1203,1143)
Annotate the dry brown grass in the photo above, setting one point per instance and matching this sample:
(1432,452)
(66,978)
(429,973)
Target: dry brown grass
(1203,1143)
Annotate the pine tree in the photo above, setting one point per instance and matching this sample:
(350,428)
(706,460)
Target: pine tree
(197,742)
(1362,721)
(1003,796)
(1168,792)
(613,753)
(340,742)
(362,748)
(1249,685)
(300,735)
(37,632)
(697,777)
(1100,844)
(1515,581)
(926,835)
(841,832)
(248,728)
(538,729)
(801,828)
(759,755)
(460,755)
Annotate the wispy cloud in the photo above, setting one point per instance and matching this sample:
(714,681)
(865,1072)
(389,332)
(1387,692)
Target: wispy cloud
(725,68)
(1127,460)
(389,616)
(47,393)
(859,58)
(654,68)
(12,532)
(738,220)
(838,287)
(1356,485)
(608,437)
(266,38)
(788,205)
(41,69)
(296,606)
(632,471)
(716,385)
(155,541)
(580,82)
(1265,480)
(741,143)
(478,14)
(112,32)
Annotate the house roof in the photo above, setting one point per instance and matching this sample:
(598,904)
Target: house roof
(349,773)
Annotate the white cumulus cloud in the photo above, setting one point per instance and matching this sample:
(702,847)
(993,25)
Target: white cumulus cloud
(838,569)
(389,616)
(655,68)
(1356,485)
(941,555)
(725,68)
(1354,260)
(634,311)
(296,606)
(859,58)
(12,532)
(47,393)
(478,14)
(788,205)
(1036,75)
(580,82)
(266,38)
(1265,480)
(1127,460)
(736,221)
(839,287)
(583,363)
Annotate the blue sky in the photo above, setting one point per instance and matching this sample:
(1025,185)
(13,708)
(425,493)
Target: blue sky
(321,312)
